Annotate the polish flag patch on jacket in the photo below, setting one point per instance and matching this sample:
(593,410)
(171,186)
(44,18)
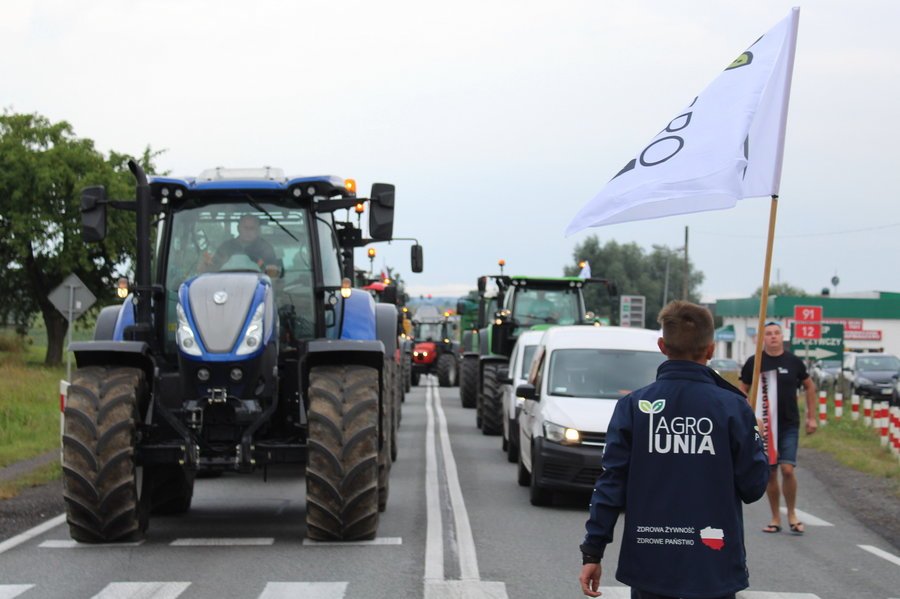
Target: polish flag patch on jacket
(713,538)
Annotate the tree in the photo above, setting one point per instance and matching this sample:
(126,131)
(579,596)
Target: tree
(782,290)
(635,272)
(43,167)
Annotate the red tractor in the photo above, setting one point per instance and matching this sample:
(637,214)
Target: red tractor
(435,349)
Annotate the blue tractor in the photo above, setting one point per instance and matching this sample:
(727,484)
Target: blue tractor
(241,344)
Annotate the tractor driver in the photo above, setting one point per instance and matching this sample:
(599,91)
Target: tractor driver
(247,242)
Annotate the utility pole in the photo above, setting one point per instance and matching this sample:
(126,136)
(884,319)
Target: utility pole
(684,295)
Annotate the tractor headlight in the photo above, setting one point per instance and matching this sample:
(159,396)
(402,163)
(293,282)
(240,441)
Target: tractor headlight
(253,337)
(185,336)
(561,434)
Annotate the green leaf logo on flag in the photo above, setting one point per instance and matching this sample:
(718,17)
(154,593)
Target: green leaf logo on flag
(645,406)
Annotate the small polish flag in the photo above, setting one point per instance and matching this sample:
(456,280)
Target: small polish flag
(713,538)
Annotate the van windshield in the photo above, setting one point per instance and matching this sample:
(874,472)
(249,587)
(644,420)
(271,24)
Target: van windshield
(601,373)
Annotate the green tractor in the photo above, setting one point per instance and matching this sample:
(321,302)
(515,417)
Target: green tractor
(474,314)
(521,303)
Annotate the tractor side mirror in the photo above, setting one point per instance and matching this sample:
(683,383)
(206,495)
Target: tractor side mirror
(381,212)
(526,391)
(93,214)
(482,285)
(461,307)
(417,258)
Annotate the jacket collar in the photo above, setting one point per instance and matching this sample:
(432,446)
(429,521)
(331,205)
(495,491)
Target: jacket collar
(692,371)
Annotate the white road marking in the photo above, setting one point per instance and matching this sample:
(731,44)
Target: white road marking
(468,559)
(882,554)
(142,590)
(306,590)
(465,589)
(770,595)
(70,544)
(31,533)
(375,541)
(470,586)
(223,542)
(808,519)
(8,591)
(434,539)
(615,592)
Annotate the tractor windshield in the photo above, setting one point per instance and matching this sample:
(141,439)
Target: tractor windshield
(428,331)
(546,306)
(240,237)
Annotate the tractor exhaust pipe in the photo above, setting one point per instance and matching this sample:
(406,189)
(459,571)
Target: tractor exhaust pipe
(143,290)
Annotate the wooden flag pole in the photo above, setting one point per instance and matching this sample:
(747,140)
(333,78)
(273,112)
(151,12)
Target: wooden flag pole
(763,302)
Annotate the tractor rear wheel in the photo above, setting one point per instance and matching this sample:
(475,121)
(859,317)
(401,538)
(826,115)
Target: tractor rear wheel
(101,485)
(446,370)
(491,400)
(386,431)
(468,382)
(342,468)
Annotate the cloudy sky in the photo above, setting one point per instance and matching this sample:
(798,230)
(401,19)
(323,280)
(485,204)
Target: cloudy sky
(496,120)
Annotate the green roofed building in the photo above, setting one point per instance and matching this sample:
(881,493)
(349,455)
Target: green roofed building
(871,321)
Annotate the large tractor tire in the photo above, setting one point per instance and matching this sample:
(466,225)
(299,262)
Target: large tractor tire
(468,382)
(342,468)
(101,485)
(385,433)
(414,378)
(491,400)
(446,370)
(407,374)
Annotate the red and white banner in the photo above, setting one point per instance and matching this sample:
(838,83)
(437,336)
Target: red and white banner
(862,335)
(767,411)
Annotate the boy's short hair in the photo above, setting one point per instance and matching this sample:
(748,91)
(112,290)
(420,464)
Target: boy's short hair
(687,329)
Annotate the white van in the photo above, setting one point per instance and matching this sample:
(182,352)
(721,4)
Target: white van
(577,375)
(519,367)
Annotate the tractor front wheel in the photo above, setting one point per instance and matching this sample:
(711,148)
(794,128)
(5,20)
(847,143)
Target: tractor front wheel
(102,487)
(342,469)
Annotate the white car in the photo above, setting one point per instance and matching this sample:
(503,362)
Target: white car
(577,375)
(519,366)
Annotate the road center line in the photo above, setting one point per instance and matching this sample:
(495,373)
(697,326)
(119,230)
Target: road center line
(882,554)
(468,559)
(434,541)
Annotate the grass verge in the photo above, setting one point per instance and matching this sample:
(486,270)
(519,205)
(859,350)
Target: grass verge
(35,478)
(29,407)
(854,445)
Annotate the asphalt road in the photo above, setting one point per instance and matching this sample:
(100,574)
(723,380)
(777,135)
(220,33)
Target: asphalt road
(457,525)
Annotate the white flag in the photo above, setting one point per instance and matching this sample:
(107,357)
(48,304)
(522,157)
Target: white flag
(585,270)
(726,145)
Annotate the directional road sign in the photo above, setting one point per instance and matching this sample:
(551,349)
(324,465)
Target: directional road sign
(808,313)
(829,347)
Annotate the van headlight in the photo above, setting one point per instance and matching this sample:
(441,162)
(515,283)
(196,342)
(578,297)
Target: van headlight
(561,434)
(184,335)
(253,337)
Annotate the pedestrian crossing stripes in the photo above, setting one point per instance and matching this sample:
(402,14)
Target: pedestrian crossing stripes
(808,519)
(70,544)
(8,591)
(375,541)
(307,590)
(321,590)
(223,542)
(625,593)
(142,590)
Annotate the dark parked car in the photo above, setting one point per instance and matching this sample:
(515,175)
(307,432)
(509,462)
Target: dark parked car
(871,375)
(825,373)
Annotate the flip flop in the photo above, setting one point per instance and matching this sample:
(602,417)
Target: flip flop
(772,528)
(797,528)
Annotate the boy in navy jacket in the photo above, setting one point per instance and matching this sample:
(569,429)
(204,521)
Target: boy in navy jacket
(681,455)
